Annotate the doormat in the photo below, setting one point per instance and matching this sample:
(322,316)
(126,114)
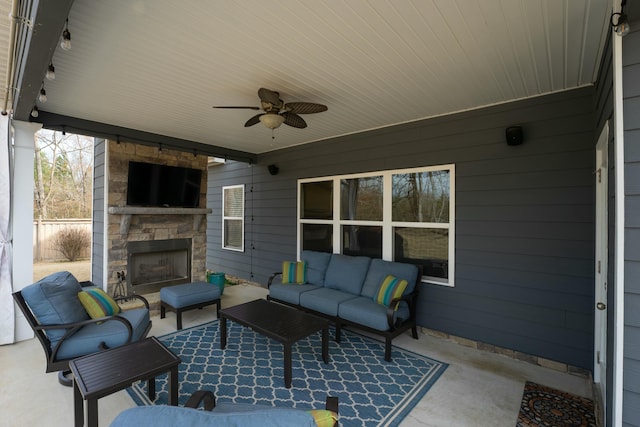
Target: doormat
(371,391)
(547,407)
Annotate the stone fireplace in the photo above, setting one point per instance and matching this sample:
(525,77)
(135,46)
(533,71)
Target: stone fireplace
(153,246)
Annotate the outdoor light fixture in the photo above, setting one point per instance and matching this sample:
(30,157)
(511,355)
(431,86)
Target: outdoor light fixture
(43,95)
(272,120)
(66,37)
(34,112)
(51,72)
(620,21)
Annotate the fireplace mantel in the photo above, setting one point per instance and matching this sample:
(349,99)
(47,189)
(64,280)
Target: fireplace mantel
(199,214)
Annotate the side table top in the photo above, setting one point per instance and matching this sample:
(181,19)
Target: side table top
(105,372)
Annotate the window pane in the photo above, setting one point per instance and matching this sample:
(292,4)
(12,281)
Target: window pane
(361,199)
(317,237)
(317,200)
(362,240)
(233,201)
(423,246)
(421,197)
(233,234)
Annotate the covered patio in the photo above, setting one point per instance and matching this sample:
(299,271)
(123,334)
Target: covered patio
(529,108)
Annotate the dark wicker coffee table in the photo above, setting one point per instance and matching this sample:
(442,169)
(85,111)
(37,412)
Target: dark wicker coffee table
(100,374)
(279,322)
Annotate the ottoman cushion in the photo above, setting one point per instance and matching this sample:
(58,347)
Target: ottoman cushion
(190,293)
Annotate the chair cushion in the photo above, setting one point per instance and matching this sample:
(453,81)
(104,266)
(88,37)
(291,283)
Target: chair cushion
(54,300)
(289,293)
(323,417)
(347,273)
(190,293)
(390,288)
(317,263)
(324,300)
(170,416)
(112,333)
(294,272)
(380,269)
(98,303)
(365,311)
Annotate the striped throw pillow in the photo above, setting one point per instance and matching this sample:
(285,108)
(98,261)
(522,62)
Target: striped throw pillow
(294,272)
(390,288)
(98,303)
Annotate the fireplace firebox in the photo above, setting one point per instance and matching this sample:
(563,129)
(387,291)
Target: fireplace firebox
(153,264)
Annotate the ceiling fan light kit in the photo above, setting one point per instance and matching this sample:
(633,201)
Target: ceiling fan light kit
(276,112)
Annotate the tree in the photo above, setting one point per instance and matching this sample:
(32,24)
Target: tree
(63,175)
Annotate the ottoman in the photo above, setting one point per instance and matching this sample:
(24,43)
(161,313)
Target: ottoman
(185,297)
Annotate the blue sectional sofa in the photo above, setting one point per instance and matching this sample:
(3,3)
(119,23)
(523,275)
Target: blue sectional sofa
(344,288)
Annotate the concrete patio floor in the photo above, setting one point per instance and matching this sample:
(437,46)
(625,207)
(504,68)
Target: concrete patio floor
(478,389)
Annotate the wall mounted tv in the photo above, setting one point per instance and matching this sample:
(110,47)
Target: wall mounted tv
(150,184)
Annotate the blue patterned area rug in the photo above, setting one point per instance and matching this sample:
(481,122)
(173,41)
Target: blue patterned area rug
(371,392)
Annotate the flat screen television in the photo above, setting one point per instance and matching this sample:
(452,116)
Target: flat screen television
(150,184)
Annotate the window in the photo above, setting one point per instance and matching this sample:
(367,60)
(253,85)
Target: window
(233,217)
(400,215)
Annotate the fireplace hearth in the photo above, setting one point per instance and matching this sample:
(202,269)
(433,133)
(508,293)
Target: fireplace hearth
(153,264)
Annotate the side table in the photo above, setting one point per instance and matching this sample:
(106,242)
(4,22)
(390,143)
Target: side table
(101,374)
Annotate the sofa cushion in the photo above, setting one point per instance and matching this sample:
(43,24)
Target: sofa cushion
(324,300)
(380,269)
(170,416)
(317,263)
(54,300)
(346,273)
(294,272)
(289,293)
(98,303)
(365,311)
(111,332)
(390,289)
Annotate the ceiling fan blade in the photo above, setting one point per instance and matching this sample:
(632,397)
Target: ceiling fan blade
(305,107)
(253,120)
(270,96)
(294,120)
(239,107)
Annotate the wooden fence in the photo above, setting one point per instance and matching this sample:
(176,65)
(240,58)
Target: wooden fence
(44,234)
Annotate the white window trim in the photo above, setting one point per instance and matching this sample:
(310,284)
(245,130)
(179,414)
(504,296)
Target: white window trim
(224,218)
(386,224)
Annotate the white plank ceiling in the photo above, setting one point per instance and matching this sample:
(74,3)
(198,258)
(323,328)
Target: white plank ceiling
(160,65)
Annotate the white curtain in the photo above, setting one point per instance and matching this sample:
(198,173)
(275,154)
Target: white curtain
(7,318)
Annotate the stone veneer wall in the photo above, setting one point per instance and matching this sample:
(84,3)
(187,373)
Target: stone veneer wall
(151,226)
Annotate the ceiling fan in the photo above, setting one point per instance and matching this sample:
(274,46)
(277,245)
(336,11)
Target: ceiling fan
(277,112)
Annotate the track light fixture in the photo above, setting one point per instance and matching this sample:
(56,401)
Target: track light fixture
(34,111)
(51,72)
(66,37)
(620,21)
(42,97)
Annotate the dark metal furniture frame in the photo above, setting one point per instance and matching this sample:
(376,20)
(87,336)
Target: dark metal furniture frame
(283,324)
(62,365)
(394,330)
(179,310)
(101,374)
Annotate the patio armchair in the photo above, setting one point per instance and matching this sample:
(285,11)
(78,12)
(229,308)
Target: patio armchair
(227,414)
(66,329)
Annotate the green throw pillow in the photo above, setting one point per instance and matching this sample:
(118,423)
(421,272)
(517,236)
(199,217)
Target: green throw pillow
(323,417)
(390,288)
(294,272)
(98,304)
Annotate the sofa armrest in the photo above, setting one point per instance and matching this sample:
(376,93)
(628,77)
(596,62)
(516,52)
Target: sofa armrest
(410,299)
(133,296)
(273,276)
(72,328)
